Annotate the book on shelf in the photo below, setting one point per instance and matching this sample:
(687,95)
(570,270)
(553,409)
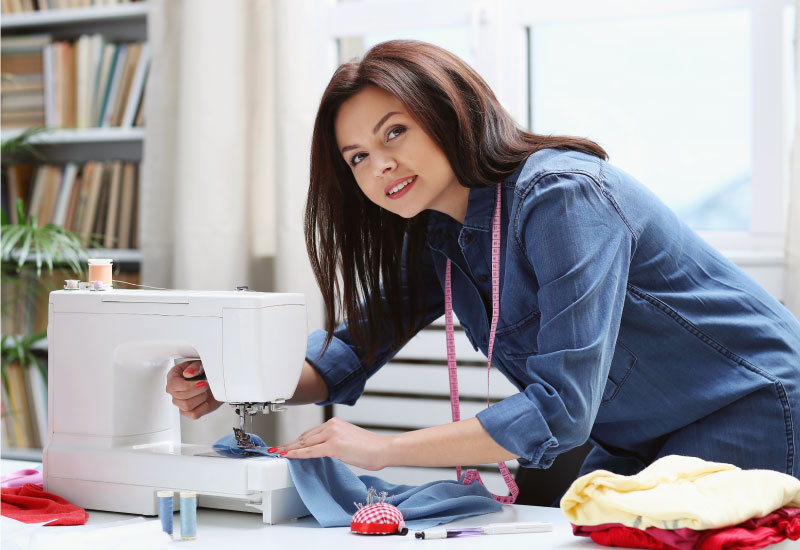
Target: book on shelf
(126,208)
(83,83)
(36,386)
(63,199)
(17,187)
(113,205)
(134,102)
(18,413)
(23,6)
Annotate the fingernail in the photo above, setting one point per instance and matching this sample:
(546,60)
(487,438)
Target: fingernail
(201,384)
(188,371)
(284,452)
(272,449)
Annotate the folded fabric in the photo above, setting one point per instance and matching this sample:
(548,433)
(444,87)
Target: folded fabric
(21,477)
(749,535)
(627,537)
(679,491)
(31,504)
(329,489)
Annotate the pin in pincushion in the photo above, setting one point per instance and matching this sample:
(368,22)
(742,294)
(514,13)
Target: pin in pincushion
(377,518)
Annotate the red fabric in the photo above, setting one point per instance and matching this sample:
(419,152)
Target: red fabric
(752,534)
(628,537)
(31,504)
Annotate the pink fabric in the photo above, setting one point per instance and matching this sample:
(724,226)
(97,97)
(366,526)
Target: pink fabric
(21,477)
(752,534)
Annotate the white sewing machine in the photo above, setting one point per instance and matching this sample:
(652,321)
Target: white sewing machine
(114,434)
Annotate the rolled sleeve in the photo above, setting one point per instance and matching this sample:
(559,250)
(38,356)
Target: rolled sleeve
(339,367)
(505,420)
(579,247)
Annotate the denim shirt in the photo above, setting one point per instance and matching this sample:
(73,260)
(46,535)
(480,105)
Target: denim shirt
(617,322)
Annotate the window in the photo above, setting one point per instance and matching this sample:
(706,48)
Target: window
(669,98)
(693,97)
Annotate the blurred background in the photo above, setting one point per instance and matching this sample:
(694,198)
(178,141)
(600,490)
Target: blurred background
(174,137)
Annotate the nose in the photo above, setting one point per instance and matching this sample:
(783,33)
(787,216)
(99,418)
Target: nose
(385,164)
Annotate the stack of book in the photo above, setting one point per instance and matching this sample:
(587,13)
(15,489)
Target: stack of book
(22,86)
(19,6)
(85,83)
(98,200)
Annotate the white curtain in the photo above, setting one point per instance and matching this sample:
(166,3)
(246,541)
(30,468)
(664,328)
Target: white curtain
(217,142)
(208,197)
(792,292)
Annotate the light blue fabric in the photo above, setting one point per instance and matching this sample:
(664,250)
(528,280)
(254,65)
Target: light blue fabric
(618,323)
(329,489)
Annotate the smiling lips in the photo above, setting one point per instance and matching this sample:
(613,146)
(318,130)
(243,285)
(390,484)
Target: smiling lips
(399,187)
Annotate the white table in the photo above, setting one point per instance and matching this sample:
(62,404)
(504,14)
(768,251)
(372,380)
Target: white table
(219,529)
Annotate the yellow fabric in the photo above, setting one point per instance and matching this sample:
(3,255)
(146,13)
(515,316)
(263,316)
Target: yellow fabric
(679,491)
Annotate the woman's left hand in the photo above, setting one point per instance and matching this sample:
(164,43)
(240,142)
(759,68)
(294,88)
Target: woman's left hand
(338,438)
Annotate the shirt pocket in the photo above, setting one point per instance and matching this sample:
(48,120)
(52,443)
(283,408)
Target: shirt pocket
(519,339)
(621,366)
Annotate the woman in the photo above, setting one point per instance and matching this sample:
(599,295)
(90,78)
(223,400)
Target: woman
(617,323)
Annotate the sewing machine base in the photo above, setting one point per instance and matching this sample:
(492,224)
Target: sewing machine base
(126,480)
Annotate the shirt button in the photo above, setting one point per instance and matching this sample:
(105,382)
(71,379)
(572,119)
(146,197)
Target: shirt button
(467,238)
(483,278)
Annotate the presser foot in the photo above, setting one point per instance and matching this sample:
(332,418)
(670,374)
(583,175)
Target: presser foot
(243,440)
(246,412)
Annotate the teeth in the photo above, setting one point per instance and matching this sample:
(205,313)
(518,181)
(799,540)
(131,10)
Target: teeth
(400,186)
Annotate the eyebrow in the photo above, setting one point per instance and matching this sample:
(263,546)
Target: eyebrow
(377,127)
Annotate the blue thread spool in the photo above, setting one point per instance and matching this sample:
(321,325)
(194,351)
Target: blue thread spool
(165,510)
(188,515)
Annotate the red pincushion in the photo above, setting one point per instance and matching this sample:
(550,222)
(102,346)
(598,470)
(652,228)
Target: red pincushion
(379,518)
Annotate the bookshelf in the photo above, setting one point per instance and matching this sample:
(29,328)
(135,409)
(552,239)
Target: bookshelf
(80,20)
(111,145)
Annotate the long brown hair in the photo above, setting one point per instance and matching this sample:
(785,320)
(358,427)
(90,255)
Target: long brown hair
(366,244)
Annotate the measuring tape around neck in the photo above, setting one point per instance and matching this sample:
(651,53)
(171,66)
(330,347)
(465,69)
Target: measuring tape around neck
(473,475)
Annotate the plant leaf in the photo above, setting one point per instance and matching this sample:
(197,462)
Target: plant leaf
(10,236)
(26,246)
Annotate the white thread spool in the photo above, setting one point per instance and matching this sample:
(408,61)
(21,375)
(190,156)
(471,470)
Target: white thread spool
(71,284)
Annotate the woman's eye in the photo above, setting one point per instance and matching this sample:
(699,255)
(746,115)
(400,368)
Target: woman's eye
(358,157)
(394,132)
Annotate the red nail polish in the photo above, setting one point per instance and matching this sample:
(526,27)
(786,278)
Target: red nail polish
(272,449)
(188,371)
(284,452)
(201,384)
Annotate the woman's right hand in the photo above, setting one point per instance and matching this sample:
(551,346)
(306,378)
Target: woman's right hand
(193,398)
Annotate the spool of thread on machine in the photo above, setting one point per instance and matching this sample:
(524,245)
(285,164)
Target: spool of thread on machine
(188,515)
(165,510)
(100,270)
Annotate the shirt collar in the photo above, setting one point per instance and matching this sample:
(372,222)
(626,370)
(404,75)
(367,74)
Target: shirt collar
(480,209)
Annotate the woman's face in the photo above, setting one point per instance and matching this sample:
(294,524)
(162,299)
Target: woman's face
(395,163)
